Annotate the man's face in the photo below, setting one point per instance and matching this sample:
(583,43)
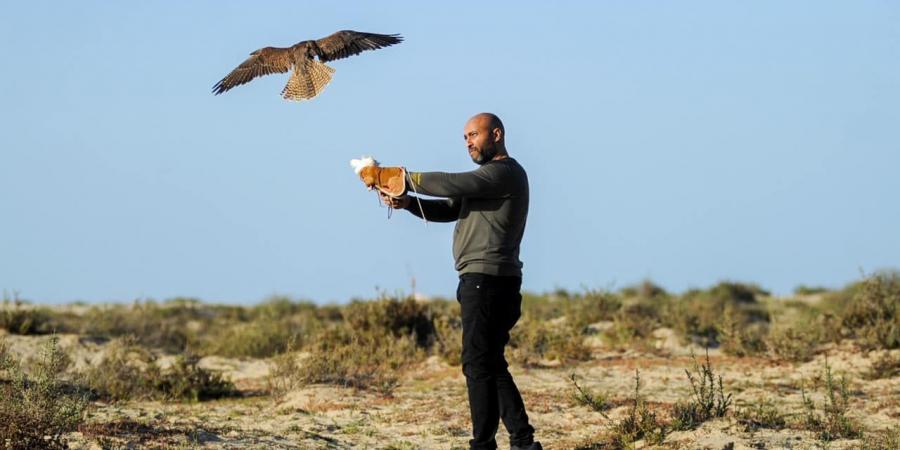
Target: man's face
(479,141)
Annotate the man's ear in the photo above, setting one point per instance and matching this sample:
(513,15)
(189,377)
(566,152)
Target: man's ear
(498,134)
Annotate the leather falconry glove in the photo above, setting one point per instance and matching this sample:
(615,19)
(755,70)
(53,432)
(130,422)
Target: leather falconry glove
(389,180)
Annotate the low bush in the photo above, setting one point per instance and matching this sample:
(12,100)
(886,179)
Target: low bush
(634,323)
(186,380)
(259,338)
(532,342)
(449,337)
(397,317)
(761,414)
(708,399)
(285,373)
(793,342)
(588,308)
(362,359)
(38,409)
(598,402)
(709,316)
(129,372)
(646,289)
(873,313)
(19,317)
(739,336)
(830,420)
(885,366)
(369,349)
(165,327)
(639,423)
(882,440)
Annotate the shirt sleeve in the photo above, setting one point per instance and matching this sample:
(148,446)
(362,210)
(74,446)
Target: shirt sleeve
(445,210)
(484,182)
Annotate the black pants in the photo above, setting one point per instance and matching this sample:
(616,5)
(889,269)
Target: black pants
(490,307)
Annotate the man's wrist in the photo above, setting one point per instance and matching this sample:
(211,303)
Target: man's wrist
(409,203)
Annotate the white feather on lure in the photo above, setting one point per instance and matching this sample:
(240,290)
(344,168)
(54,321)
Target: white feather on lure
(364,161)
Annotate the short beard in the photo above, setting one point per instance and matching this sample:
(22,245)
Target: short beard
(485,155)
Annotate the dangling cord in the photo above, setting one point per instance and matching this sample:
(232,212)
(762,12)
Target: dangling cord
(422,210)
(381,203)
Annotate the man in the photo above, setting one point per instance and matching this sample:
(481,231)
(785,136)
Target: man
(490,205)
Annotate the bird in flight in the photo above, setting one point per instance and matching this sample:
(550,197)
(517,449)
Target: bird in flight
(309,76)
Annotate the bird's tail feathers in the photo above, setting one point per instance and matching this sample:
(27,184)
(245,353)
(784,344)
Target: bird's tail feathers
(308,81)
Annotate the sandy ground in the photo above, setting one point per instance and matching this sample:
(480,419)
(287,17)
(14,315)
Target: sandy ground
(429,409)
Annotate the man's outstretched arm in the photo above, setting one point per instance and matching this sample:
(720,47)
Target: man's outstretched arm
(443,210)
(486,181)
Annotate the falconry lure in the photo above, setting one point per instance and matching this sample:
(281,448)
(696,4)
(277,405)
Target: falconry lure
(309,76)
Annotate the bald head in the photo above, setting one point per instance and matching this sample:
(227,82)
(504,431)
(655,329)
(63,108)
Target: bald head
(485,138)
(489,121)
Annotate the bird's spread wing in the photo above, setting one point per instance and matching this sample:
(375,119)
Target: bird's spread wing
(348,43)
(264,61)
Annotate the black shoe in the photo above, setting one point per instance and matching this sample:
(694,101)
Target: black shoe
(534,446)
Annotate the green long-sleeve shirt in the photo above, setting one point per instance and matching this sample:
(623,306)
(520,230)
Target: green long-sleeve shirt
(490,205)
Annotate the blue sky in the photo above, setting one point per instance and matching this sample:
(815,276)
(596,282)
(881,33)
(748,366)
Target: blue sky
(686,142)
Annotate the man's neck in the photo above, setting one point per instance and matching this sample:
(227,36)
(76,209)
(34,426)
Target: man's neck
(500,155)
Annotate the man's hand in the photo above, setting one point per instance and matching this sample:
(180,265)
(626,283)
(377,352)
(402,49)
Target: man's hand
(400,202)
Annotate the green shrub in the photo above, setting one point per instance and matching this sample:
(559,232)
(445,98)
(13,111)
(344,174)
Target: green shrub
(18,317)
(449,337)
(794,342)
(704,316)
(129,371)
(645,289)
(883,440)
(532,341)
(362,359)
(761,414)
(886,366)
(373,344)
(185,380)
(406,317)
(589,307)
(832,422)
(152,325)
(259,331)
(37,410)
(707,401)
(580,309)
(598,402)
(873,314)
(809,290)
(639,423)
(835,302)
(634,323)
(285,373)
(545,307)
(257,339)
(739,336)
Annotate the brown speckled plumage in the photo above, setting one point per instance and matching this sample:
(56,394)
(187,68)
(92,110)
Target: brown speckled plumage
(310,76)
